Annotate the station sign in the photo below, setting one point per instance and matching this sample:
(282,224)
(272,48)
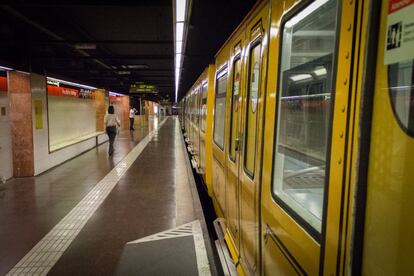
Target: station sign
(143,88)
(54,88)
(115,98)
(3,84)
(399,40)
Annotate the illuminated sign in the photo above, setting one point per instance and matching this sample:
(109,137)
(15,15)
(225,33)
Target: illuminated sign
(52,82)
(143,88)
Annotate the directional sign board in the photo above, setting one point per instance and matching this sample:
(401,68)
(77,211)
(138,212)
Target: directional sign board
(143,88)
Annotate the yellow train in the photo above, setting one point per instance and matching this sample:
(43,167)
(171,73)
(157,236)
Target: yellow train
(302,129)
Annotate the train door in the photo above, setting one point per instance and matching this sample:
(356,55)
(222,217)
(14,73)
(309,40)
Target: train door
(387,224)
(218,168)
(197,120)
(251,129)
(307,111)
(203,112)
(232,154)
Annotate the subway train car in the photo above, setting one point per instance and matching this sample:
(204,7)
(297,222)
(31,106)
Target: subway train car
(303,131)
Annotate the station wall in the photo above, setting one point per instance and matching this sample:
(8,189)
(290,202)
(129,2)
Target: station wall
(6,158)
(70,118)
(43,158)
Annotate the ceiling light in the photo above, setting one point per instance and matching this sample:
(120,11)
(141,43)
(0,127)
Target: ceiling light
(178,47)
(124,72)
(178,60)
(179,31)
(71,83)
(85,46)
(138,66)
(4,68)
(180,10)
(181,16)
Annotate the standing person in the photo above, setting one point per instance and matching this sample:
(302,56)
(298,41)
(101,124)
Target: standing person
(131,118)
(111,122)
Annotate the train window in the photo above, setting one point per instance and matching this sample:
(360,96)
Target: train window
(304,103)
(401,91)
(220,109)
(253,93)
(204,108)
(234,107)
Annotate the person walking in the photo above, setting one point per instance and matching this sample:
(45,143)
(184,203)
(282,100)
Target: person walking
(131,118)
(111,122)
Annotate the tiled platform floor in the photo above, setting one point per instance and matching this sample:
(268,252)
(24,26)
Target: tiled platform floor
(154,194)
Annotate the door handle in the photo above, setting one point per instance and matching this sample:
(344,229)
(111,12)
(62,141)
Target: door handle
(236,144)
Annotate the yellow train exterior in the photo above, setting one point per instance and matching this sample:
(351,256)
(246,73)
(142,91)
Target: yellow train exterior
(303,131)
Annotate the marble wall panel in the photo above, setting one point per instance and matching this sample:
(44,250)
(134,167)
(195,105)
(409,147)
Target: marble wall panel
(20,102)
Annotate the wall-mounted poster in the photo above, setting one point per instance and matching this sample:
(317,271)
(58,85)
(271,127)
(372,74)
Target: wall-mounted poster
(38,113)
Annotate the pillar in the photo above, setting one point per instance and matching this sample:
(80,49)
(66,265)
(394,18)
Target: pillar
(125,112)
(101,108)
(20,102)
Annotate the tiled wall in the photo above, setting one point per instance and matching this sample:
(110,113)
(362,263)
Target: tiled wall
(6,161)
(43,160)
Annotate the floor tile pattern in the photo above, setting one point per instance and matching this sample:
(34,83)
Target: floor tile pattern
(47,252)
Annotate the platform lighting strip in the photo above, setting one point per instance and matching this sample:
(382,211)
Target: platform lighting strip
(111,93)
(71,83)
(4,68)
(180,27)
(45,254)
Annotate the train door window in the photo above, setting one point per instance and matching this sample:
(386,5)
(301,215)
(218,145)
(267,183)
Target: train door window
(251,109)
(220,109)
(204,107)
(401,91)
(234,107)
(304,102)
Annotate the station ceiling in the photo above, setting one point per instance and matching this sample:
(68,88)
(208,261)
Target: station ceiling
(113,44)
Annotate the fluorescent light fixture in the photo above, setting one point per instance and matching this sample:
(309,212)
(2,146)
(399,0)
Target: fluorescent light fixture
(178,47)
(181,15)
(180,10)
(179,31)
(177,60)
(111,93)
(72,83)
(138,66)
(320,71)
(4,68)
(85,46)
(303,14)
(300,77)
(124,72)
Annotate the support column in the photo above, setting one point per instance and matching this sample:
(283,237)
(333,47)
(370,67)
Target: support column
(101,107)
(21,123)
(125,112)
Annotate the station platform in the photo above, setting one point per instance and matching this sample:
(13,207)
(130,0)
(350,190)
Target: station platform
(134,213)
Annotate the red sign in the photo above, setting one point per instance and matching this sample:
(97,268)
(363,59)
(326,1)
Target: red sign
(114,99)
(396,5)
(62,91)
(3,84)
